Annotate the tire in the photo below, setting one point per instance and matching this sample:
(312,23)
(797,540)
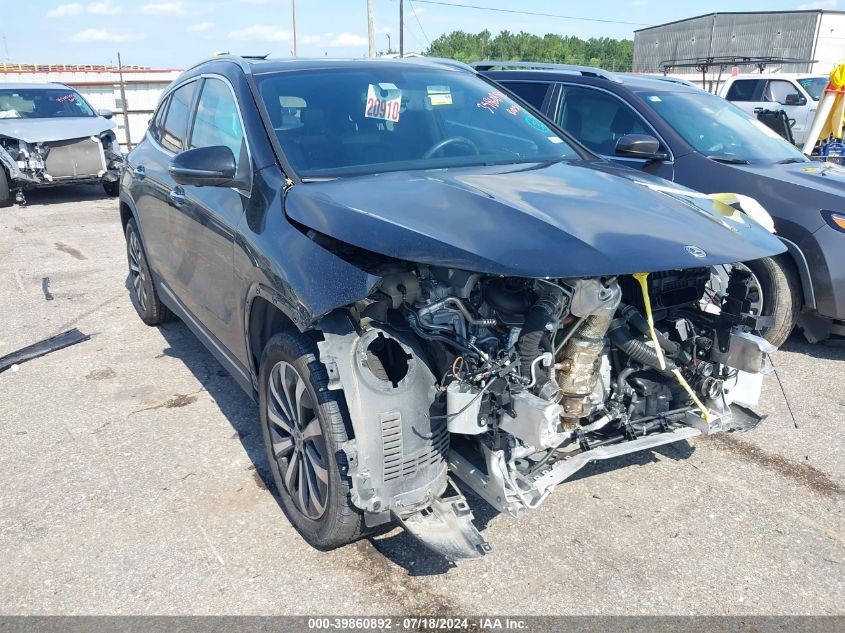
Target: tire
(781,294)
(328,519)
(5,194)
(141,287)
(112,188)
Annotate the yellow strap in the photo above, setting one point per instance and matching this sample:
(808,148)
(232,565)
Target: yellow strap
(705,414)
(643,279)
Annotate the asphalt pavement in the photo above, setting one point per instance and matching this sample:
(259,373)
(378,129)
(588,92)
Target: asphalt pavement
(133,481)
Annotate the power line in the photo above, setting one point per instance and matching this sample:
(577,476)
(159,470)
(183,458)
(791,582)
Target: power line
(422,30)
(542,15)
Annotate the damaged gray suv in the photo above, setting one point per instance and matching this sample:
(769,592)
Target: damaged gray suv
(49,135)
(425,287)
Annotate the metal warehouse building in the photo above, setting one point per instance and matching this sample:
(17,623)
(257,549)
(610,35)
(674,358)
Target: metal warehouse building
(807,35)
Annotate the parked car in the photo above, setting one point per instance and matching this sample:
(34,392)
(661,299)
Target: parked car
(797,94)
(415,276)
(703,142)
(49,135)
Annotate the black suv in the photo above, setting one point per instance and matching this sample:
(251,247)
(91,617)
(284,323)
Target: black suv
(416,276)
(703,142)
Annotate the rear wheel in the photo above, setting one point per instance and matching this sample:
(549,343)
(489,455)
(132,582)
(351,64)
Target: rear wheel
(304,425)
(141,287)
(5,194)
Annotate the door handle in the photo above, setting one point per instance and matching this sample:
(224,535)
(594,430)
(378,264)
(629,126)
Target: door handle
(139,172)
(177,196)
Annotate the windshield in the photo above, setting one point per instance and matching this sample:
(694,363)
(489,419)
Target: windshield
(390,117)
(720,130)
(42,103)
(814,86)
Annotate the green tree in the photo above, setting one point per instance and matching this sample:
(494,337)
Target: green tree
(602,52)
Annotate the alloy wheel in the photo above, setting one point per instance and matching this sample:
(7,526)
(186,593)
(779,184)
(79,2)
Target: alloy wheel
(136,270)
(298,445)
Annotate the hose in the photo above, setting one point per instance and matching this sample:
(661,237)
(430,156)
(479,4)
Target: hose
(636,349)
(634,317)
(528,345)
(412,321)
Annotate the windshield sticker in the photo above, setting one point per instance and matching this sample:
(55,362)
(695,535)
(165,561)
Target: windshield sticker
(555,139)
(492,101)
(514,110)
(536,123)
(654,98)
(68,97)
(439,95)
(383,102)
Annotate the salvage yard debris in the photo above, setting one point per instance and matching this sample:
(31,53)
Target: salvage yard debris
(36,350)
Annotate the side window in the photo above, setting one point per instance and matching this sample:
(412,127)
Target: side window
(532,92)
(157,122)
(745,90)
(175,125)
(597,119)
(218,121)
(777,89)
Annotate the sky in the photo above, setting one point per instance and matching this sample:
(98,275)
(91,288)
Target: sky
(178,33)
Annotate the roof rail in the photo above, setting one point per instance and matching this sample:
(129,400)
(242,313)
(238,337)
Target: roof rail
(586,71)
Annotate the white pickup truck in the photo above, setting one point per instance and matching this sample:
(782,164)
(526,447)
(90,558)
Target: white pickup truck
(796,93)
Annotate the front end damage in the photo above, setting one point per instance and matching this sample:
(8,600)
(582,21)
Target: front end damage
(89,159)
(511,385)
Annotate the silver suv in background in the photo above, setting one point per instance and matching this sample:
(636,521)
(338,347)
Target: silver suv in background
(797,94)
(49,135)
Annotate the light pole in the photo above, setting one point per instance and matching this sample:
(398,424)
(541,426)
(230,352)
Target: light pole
(389,46)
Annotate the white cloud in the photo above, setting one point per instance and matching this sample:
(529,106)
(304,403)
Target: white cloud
(820,4)
(163,8)
(261,32)
(103,8)
(348,39)
(65,9)
(252,1)
(105,35)
(200,27)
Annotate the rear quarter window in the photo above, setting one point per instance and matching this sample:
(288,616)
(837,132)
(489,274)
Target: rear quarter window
(530,91)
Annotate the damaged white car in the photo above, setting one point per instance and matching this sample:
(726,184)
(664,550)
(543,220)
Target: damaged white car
(49,135)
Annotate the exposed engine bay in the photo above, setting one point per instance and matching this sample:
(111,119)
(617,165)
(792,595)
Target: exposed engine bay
(95,158)
(513,384)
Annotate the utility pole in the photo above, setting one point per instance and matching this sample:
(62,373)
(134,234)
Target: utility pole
(401,28)
(293,9)
(125,107)
(371,28)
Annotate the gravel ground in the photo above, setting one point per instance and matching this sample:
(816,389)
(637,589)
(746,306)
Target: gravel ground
(133,481)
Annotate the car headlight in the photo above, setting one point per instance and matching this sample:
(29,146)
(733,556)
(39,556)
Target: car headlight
(835,220)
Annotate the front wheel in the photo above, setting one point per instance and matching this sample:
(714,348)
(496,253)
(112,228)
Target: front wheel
(112,188)
(779,294)
(5,194)
(304,426)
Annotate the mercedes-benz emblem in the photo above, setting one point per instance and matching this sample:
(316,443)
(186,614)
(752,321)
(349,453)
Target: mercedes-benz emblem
(695,251)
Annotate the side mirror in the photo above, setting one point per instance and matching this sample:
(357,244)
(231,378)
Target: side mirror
(794,99)
(639,146)
(204,167)
(105,113)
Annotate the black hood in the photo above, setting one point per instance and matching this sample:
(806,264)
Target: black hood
(574,219)
(821,178)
